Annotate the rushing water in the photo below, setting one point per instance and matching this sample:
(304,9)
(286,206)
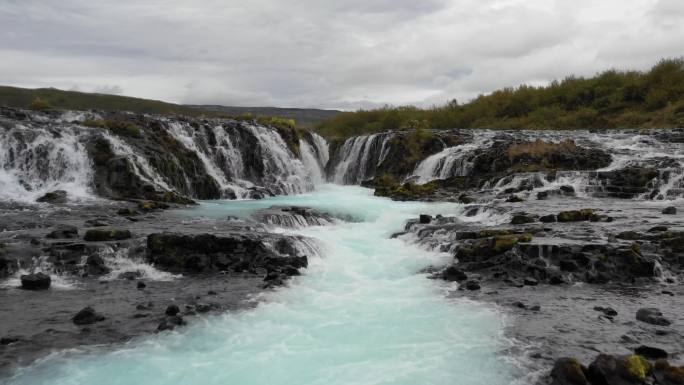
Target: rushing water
(361,314)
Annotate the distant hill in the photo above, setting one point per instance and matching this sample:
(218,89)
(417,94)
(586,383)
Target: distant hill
(74,100)
(305,117)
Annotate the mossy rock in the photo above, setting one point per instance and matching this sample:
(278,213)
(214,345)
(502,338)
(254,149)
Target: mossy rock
(104,235)
(151,206)
(577,215)
(635,367)
(407,191)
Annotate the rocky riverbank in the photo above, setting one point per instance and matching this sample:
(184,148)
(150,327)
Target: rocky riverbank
(82,276)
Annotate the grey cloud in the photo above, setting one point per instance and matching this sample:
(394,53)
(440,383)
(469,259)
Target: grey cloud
(342,54)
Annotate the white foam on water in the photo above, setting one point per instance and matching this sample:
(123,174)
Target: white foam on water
(58,280)
(360,314)
(120,261)
(34,161)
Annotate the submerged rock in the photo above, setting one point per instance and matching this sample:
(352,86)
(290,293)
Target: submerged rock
(97,235)
(87,316)
(54,197)
(652,316)
(37,281)
(670,210)
(63,232)
(568,371)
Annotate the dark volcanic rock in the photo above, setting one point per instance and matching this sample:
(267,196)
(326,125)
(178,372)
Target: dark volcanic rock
(652,316)
(95,265)
(37,281)
(63,231)
(172,310)
(207,253)
(54,197)
(568,371)
(651,352)
(424,219)
(670,210)
(452,273)
(170,323)
(104,235)
(87,316)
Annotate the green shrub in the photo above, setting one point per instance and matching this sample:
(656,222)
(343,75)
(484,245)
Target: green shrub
(39,104)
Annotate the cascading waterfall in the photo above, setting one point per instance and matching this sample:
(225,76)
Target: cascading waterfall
(360,156)
(140,164)
(37,160)
(315,156)
(281,168)
(450,162)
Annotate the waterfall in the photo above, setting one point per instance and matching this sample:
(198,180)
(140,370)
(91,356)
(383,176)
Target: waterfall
(450,162)
(360,157)
(315,156)
(282,171)
(140,164)
(37,160)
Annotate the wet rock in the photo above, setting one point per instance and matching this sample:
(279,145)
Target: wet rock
(130,275)
(87,316)
(170,323)
(529,281)
(568,371)
(105,235)
(548,218)
(657,229)
(651,352)
(577,216)
(670,210)
(652,316)
(452,273)
(140,285)
(63,232)
(172,310)
(425,219)
(523,218)
(203,308)
(54,197)
(97,223)
(514,199)
(127,212)
(472,285)
(207,253)
(568,265)
(8,340)
(666,374)
(541,195)
(619,370)
(148,206)
(608,311)
(37,281)
(95,265)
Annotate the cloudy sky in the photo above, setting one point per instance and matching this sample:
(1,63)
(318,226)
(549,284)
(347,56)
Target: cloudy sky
(326,53)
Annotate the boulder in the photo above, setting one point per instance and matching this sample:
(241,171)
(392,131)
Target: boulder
(170,323)
(670,210)
(87,316)
(425,219)
(95,265)
(472,285)
(522,219)
(172,310)
(651,352)
(37,281)
(105,235)
(63,232)
(568,371)
(54,197)
(652,316)
(452,273)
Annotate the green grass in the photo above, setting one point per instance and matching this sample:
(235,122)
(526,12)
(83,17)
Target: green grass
(611,99)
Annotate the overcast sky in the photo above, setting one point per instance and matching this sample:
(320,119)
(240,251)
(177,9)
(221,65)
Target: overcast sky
(328,54)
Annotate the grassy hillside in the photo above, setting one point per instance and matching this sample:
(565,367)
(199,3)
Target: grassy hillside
(611,99)
(305,117)
(51,97)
